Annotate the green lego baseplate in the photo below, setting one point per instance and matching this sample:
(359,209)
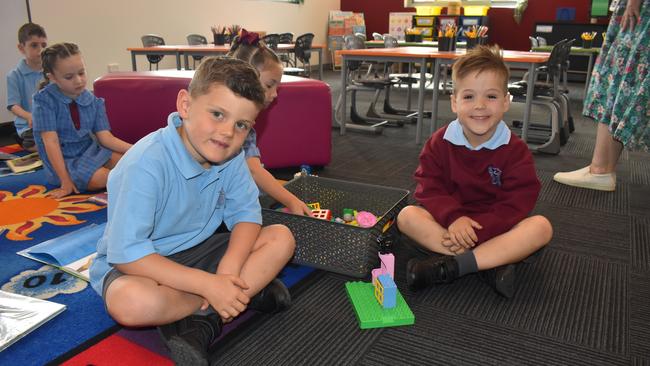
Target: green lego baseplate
(370,313)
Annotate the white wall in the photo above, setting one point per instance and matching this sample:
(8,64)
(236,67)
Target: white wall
(104,29)
(13,14)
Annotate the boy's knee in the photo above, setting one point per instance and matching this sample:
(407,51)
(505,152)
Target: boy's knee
(126,305)
(405,216)
(282,239)
(544,228)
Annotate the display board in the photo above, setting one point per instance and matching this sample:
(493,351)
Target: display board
(340,24)
(398,23)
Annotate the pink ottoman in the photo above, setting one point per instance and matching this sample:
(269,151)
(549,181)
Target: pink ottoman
(294,130)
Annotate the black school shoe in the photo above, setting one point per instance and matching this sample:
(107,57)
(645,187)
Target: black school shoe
(273,298)
(422,273)
(502,279)
(188,339)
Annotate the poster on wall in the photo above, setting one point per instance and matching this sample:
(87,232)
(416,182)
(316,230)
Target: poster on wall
(398,23)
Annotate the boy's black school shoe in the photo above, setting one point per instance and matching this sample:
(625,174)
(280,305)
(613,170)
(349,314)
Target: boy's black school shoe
(188,339)
(422,273)
(502,279)
(273,298)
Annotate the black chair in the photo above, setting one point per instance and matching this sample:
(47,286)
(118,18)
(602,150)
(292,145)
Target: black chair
(151,40)
(272,40)
(193,40)
(548,94)
(362,81)
(286,38)
(302,51)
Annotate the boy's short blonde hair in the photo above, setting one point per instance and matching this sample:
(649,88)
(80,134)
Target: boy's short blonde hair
(480,59)
(238,76)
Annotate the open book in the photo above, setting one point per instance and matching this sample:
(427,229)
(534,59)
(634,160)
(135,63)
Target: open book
(20,314)
(72,252)
(25,163)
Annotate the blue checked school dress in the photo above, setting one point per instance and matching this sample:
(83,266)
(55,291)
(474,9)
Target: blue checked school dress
(82,154)
(619,91)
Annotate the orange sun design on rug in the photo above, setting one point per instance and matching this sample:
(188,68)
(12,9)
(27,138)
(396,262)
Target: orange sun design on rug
(26,211)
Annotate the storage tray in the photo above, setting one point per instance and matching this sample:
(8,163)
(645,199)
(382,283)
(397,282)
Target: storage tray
(333,246)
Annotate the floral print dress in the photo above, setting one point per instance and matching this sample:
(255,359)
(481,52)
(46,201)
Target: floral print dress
(619,93)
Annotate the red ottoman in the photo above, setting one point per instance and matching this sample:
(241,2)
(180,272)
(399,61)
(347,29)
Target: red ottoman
(294,130)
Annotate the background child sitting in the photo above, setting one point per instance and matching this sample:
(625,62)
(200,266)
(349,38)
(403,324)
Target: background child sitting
(248,47)
(162,260)
(476,184)
(23,81)
(66,116)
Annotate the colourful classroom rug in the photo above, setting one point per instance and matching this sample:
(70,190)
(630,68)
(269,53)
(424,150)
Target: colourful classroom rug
(84,331)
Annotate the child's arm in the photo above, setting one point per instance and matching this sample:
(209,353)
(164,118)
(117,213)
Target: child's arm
(17,110)
(432,180)
(55,156)
(242,239)
(273,188)
(107,140)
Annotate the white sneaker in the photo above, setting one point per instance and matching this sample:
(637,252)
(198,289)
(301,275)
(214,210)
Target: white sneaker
(584,179)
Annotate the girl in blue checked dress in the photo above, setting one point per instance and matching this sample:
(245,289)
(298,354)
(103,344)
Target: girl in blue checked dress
(71,129)
(619,96)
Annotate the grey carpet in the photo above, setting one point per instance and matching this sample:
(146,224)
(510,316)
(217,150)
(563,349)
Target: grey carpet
(585,301)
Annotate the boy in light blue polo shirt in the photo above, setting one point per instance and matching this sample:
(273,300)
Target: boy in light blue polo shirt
(23,81)
(162,260)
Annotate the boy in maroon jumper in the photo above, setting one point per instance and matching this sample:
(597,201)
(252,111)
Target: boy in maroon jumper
(476,185)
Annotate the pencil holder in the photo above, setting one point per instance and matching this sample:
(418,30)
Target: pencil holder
(471,43)
(219,39)
(586,43)
(483,40)
(446,44)
(413,38)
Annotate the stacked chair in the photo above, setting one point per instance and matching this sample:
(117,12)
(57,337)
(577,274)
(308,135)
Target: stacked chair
(367,81)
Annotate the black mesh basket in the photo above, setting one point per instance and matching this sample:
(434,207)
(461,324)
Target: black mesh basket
(333,246)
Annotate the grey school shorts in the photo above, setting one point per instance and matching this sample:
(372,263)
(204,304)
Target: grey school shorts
(206,256)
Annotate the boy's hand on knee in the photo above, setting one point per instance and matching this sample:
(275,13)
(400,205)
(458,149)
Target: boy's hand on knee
(226,295)
(462,232)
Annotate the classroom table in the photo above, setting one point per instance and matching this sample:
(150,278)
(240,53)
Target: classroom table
(202,50)
(378,44)
(155,50)
(423,55)
(591,53)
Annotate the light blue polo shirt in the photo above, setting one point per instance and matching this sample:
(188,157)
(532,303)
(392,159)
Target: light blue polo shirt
(161,200)
(21,86)
(455,135)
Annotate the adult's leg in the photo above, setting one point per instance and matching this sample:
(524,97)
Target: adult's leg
(606,152)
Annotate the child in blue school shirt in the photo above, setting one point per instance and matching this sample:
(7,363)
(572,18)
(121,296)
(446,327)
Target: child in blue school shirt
(23,80)
(71,129)
(162,260)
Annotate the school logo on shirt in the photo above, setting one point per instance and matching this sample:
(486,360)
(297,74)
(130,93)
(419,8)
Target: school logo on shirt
(495,175)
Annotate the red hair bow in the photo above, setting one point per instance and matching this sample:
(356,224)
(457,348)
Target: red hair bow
(249,38)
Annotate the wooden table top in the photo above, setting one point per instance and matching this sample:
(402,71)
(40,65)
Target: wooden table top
(432,52)
(207,48)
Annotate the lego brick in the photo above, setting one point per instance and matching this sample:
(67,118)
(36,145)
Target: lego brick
(370,313)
